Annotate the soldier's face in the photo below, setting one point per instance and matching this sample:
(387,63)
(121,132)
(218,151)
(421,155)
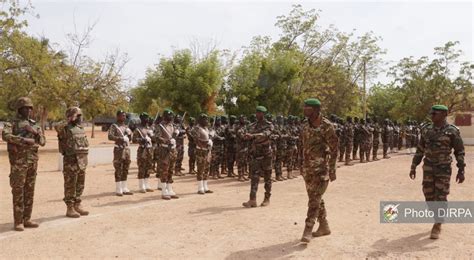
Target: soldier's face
(78,120)
(121,118)
(25,112)
(260,116)
(310,111)
(438,116)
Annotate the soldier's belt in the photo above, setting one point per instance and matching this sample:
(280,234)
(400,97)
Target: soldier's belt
(201,148)
(164,145)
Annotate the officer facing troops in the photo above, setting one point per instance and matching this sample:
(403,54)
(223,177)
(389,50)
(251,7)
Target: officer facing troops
(319,154)
(74,147)
(23,137)
(143,137)
(437,141)
(121,135)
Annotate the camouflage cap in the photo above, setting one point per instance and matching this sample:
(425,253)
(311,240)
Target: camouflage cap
(73,112)
(23,102)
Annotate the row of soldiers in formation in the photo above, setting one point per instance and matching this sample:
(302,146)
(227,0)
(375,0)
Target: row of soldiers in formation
(357,138)
(315,143)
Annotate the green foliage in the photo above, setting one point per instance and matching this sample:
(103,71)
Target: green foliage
(182,82)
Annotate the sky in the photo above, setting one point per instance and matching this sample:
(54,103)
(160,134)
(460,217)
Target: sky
(144,30)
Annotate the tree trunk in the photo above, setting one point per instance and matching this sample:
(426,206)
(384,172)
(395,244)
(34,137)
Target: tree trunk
(93,129)
(43,117)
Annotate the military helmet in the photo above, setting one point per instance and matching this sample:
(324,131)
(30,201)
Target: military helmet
(23,102)
(73,112)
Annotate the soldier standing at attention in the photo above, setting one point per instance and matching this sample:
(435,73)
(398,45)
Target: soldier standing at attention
(200,134)
(280,136)
(142,136)
(178,122)
(349,140)
(121,135)
(191,146)
(261,157)
(230,139)
(386,137)
(165,138)
(218,140)
(242,148)
(376,138)
(74,147)
(342,141)
(320,145)
(23,137)
(437,141)
(356,138)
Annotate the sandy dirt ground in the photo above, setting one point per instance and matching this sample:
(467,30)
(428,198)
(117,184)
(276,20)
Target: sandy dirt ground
(216,226)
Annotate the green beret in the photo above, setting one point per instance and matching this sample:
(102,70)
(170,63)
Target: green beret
(312,102)
(168,111)
(202,116)
(261,109)
(232,117)
(144,114)
(120,111)
(191,118)
(223,116)
(439,108)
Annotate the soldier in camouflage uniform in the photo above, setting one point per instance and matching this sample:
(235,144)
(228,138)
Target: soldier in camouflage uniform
(280,137)
(401,136)
(201,135)
(437,141)
(156,154)
(363,140)
(370,139)
(348,140)
(121,135)
(143,137)
(218,140)
(191,146)
(396,134)
(356,141)
(231,146)
(23,137)
(165,136)
(74,147)
(261,157)
(341,138)
(240,130)
(224,123)
(320,146)
(178,122)
(376,140)
(292,148)
(387,133)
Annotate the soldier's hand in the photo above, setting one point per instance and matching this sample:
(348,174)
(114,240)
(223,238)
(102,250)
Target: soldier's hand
(31,130)
(412,174)
(460,177)
(28,141)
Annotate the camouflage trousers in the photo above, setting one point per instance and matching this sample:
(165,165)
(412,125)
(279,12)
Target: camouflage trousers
(348,150)
(144,162)
(395,141)
(22,182)
(400,142)
(315,187)
(279,159)
(364,150)
(342,148)
(166,164)
(241,157)
(74,178)
(385,148)
(121,163)
(355,148)
(261,165)
(291,158)
(217,158)
(230,158)
(436,182)
(202,161)
(375,148)
(192,157)
(179,156)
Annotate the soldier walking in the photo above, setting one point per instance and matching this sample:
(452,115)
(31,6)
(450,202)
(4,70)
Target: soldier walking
(319,166)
